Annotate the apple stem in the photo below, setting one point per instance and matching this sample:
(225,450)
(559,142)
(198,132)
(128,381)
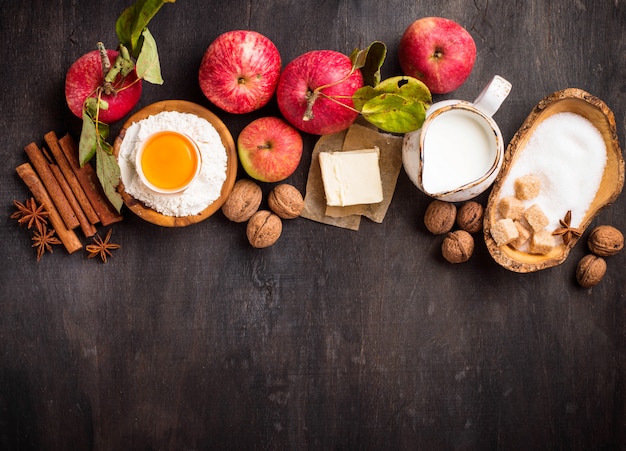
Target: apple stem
(311,97)
(107,86)
(106,62)
(263,146)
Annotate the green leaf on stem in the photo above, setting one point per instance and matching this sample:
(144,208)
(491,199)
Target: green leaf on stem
(370,60)
(402,85)
(92,130)
(131,23)
(397,105)
(127,64)
(394,113)
(123,65)
(148,66)
(93,142)
(87,143)
(108,172)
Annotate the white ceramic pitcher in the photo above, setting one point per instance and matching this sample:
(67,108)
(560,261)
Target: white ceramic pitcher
(459,150)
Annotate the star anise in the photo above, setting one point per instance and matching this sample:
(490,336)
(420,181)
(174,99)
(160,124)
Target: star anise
(30,214)
(101,247)
(43,239)
(566,231)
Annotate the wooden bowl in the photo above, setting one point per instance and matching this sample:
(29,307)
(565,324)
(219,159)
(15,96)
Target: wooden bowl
(590,107)
(182,106)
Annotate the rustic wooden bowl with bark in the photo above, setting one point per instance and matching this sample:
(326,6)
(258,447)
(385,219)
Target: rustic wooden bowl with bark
(182,106)
(597,112)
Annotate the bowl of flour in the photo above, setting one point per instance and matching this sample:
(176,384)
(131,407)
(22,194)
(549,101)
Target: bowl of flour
(209,189)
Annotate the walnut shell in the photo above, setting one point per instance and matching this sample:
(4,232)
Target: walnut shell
(605,241)
(286,201)
(243,201)
(457,246)
(590,270)
(469,217)
(439,217)
(264,228)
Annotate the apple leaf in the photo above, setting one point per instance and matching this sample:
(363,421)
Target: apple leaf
(93,142)
(108,172)
(134,19)
(93,104)
(370,60)
(397,104)
(394,113)
(126,64)
(123,65)
(148,66)
(87,144)
(92,131)
(402,85)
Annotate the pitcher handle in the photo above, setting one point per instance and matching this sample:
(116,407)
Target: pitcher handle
(493,95)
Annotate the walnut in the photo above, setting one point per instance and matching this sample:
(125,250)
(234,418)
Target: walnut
(457,246)
(590,270)
(439,217)
(469,217)
(264,228)
(286,201)
(243,201)
(605,241)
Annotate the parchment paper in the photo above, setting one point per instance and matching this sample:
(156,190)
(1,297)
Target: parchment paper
(356,137)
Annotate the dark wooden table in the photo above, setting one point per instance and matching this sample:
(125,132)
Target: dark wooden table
(331,339)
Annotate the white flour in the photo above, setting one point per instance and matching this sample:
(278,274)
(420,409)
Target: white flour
(568,154)
(202,191)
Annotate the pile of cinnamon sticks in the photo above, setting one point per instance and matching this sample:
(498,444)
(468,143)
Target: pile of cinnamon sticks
(71,194)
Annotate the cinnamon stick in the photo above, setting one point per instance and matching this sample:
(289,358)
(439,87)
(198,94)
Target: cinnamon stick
(39,162)
(53,144)
(86,226)
(36,186)
(89,181)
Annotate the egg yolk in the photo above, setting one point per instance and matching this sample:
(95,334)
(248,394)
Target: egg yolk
(169,160)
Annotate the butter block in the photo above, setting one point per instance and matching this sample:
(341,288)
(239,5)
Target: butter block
(351,177)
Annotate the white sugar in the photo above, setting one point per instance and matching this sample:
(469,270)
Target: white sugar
(568,154)
(204,190)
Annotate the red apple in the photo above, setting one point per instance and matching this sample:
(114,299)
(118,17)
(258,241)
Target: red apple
(85,79)
(322,82)
(239,71)
(269,149)
(437,51)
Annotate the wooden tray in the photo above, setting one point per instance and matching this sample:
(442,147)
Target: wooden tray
(182,106)
(596,111)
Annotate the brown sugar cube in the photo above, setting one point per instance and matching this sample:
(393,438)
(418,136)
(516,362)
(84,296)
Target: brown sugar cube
(542,242)
(527,187)
(511,207)
(523,235)
(536,218)
(504,231)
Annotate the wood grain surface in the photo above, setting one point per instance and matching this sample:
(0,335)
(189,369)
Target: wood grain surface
(189,339)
